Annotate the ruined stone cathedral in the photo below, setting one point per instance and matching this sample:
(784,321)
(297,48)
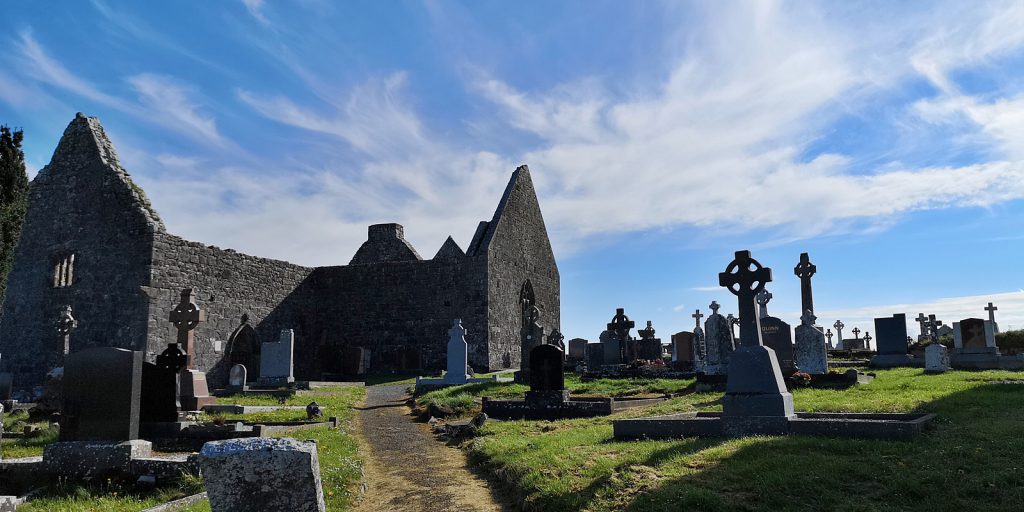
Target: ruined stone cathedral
(91,240)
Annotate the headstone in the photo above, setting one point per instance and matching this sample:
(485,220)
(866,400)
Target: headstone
(531,334)
(595,356)
(756,400)
(578,349)
(992,316)
(682,347)
(933,325)
(194,393)
(547,380)
(974,336)
(649,348)
(102,388)
(811,352)
(778,336)
(619,327)
(237,377)
(355,361)
(65,324)
(936,358)
(458,354)
(719,342)
(262,473)
(557,339)
(828,338)
(922,322)
(277,358)
(612,347)
(160,396)
(841,344)
(699,349)
(892,335)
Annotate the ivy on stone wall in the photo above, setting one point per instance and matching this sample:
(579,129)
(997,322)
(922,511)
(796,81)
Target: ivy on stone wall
(13,198)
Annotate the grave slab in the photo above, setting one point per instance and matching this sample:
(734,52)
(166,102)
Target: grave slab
(258,474)
(276,360)
(101,396)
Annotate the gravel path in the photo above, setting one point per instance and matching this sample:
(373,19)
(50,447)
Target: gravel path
(407,469)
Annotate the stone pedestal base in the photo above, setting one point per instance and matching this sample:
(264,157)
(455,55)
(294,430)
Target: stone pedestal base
(78,459)
(755,386)
(521,377)
(194,393)
(762,404)
(544,398)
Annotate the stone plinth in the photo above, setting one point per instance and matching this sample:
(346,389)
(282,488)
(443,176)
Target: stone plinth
(81,459)
(258,474)
(936,358)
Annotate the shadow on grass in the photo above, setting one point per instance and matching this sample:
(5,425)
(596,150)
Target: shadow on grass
(971,459)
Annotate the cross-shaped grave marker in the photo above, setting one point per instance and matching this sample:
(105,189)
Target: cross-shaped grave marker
(185,317)
(992,315)
(867,341)
(804,270)
(714,307)
(762,300)
(828,334)
(697,315)
(745,278)
(65,324)
(923,321)
(933,327)
(856,333)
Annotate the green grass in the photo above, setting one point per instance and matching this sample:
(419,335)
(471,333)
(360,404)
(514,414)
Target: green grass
(972,459)
(336,449)
(461,398)
(13,448)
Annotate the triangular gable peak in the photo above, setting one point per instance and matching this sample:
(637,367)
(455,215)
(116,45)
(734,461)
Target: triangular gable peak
(518,203)
(449,251)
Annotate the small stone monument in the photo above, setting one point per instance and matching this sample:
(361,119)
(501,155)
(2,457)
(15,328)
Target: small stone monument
(839,334)
(699,348)
(828,338)
(611,347)
(65,324)
(719,342)
(185,317)
(577,349)
(892,342)
(811,354)
(547,381)
(922,322)
(991,309)
(276,360)
(262,473)
(974,344)
(936,358)
(682,349)
(619,327)
(237,378)
(458,361)
(161,386)
(102,389)
(649,345)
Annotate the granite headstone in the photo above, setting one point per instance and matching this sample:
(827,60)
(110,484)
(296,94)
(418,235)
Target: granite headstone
(102,392)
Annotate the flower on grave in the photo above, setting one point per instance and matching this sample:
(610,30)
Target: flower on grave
(801,379)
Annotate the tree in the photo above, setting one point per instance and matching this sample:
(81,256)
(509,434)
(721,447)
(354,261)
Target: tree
(13,198)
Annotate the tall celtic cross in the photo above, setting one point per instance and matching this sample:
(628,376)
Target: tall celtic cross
(804,270)
(762,300)
(991,313)
(185,317)
(856,333)
(621,324)
(745,278)
(828,334)
(65,324)
(697,315)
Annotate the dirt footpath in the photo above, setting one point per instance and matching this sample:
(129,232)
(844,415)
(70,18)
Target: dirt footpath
(407,469)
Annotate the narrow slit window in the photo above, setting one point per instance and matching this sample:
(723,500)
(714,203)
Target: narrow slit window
(64,271)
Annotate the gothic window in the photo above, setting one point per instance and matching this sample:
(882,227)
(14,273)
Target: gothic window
(64,271)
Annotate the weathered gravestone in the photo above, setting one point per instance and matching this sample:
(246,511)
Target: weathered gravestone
(840,344)
(276,360)
(699,349)
(649,346)
(261,473)
(611,347)
(65,324)
(577,349)
(458,361)
(682,348)
(193,389)
(892,342)
(719,342)
(811,352)
(974,342)
(102,388)
(531,335)
(992,317)
(620,327)
(595,356)
(936,358)
(237,377)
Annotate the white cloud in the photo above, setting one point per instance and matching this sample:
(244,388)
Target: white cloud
(255,8)
(168,100)
(46,69)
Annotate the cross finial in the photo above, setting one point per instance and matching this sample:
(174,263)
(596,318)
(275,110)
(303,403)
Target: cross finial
(839,325)
(745,277)
(805,269)
(828,334)
(991,312)
(856,333)
(763,297)
(65,322)
(714,307)
(185,317)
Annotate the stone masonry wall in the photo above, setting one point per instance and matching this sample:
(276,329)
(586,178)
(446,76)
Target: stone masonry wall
(226,284)
(83,204)
(517,250)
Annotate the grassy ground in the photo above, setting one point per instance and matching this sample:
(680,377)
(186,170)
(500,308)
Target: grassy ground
(972,459)
(460,399)
(336,450)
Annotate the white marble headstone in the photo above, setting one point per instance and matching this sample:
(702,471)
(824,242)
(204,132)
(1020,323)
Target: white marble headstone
(276,359)
(237,376)
(458,354)
(936,358)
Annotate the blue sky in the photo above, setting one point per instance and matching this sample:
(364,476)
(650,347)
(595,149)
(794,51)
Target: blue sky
(886,139)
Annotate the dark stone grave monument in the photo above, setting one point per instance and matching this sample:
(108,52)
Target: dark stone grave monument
(682,350)
(160,398)
(531,335)
(778,335)
(102,388)
(756,401)
(577,349)
(892,342)
(194,393)
(649,346)
(595,356)
(719,342)
(619,327)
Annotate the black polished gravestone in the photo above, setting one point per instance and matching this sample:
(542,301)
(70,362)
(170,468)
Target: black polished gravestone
(160,386)
(778,336)
(102,388)
(892,342)
(547,380)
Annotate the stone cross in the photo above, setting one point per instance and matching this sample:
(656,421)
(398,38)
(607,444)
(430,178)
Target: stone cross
(65,324)
(923,322)
(762,300)
(992,316)
(933,327)
(828,334)
(621,324)
(697,315)
(804,270)
(856,333)
(714,307)
(839,332)
(185,317)
(808,317)
(745,278)
(732,323)
(867,340)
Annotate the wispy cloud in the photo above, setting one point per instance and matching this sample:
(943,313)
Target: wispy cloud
(170,103)
(255,8)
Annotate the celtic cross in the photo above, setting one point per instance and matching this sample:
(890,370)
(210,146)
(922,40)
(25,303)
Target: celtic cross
(745,278)
(185,317)
(804,270)
(762,300)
